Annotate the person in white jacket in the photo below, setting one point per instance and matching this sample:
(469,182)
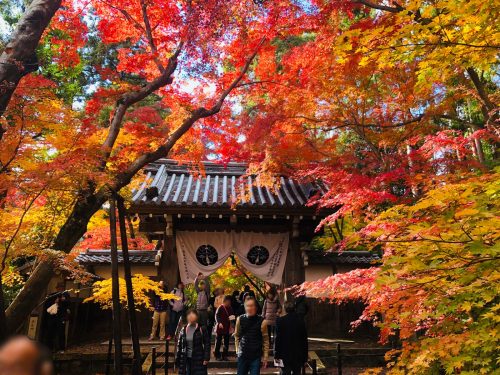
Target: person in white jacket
(176,309)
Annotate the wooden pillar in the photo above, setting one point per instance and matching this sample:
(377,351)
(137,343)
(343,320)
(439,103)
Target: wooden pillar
(169,265)
(294,268)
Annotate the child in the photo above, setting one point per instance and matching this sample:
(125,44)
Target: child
(223,318)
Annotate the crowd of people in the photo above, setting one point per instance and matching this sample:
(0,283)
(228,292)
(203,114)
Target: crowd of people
(257,330)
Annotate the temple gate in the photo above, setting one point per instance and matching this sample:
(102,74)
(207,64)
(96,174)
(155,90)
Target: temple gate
(178,204)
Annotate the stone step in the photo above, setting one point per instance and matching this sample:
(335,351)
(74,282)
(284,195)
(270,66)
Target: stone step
(230,363)
(233,371)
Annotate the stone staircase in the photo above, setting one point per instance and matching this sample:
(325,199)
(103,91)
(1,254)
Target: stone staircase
(93,358)
(323,353)
(214,366)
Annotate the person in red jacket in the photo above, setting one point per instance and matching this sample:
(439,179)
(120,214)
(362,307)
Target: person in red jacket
(224,318)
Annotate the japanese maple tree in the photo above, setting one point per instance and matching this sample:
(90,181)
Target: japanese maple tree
(151,73)
(394,105)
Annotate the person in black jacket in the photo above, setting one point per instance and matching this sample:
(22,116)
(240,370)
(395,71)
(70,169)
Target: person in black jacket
(291,341)
(193,348)
(301,307)
(235,303)
(251,340)
(54,323)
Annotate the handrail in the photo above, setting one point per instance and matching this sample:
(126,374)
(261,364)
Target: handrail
(146,365)
(313,365)
(149,365)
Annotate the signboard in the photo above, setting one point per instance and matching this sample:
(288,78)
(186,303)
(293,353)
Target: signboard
(32,327)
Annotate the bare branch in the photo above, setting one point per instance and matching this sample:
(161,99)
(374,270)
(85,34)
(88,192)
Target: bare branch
(18,228)
(345,124)
(396,9)
(149,35)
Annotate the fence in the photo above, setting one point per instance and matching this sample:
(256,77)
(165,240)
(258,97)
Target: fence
(150,365)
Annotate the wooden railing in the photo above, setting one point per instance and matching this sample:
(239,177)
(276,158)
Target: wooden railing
(150,367)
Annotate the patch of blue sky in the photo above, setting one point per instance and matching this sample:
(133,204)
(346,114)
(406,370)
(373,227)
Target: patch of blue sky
(307,6)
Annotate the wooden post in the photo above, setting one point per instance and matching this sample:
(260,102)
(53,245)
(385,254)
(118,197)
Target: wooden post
(136,366)
(108,357)
(167,348)
(169,271)
(153,360)
(339,360)
(294,270)
(115,288)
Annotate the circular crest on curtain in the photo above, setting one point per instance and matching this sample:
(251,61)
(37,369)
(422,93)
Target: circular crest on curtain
(258,255)
(207,255)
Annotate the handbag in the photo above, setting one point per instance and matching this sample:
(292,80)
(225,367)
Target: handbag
(52,310)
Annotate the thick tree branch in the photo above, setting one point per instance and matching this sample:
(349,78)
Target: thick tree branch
(162,151)
(131,98)
(19,56)
(490,109)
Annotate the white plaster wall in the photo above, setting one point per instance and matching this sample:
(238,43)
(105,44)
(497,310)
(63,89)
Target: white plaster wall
(316,272)
(105,270)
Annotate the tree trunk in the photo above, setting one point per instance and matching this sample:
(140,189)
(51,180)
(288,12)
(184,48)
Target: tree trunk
(19,56)
(294,270)
(34,289)
(29,297)
(3,321)
(478,150)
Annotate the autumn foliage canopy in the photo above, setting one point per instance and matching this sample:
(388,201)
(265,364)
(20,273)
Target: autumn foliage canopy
(392,104)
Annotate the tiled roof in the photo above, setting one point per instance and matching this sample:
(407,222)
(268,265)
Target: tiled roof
(169,184)
(95,257)
(344,257)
